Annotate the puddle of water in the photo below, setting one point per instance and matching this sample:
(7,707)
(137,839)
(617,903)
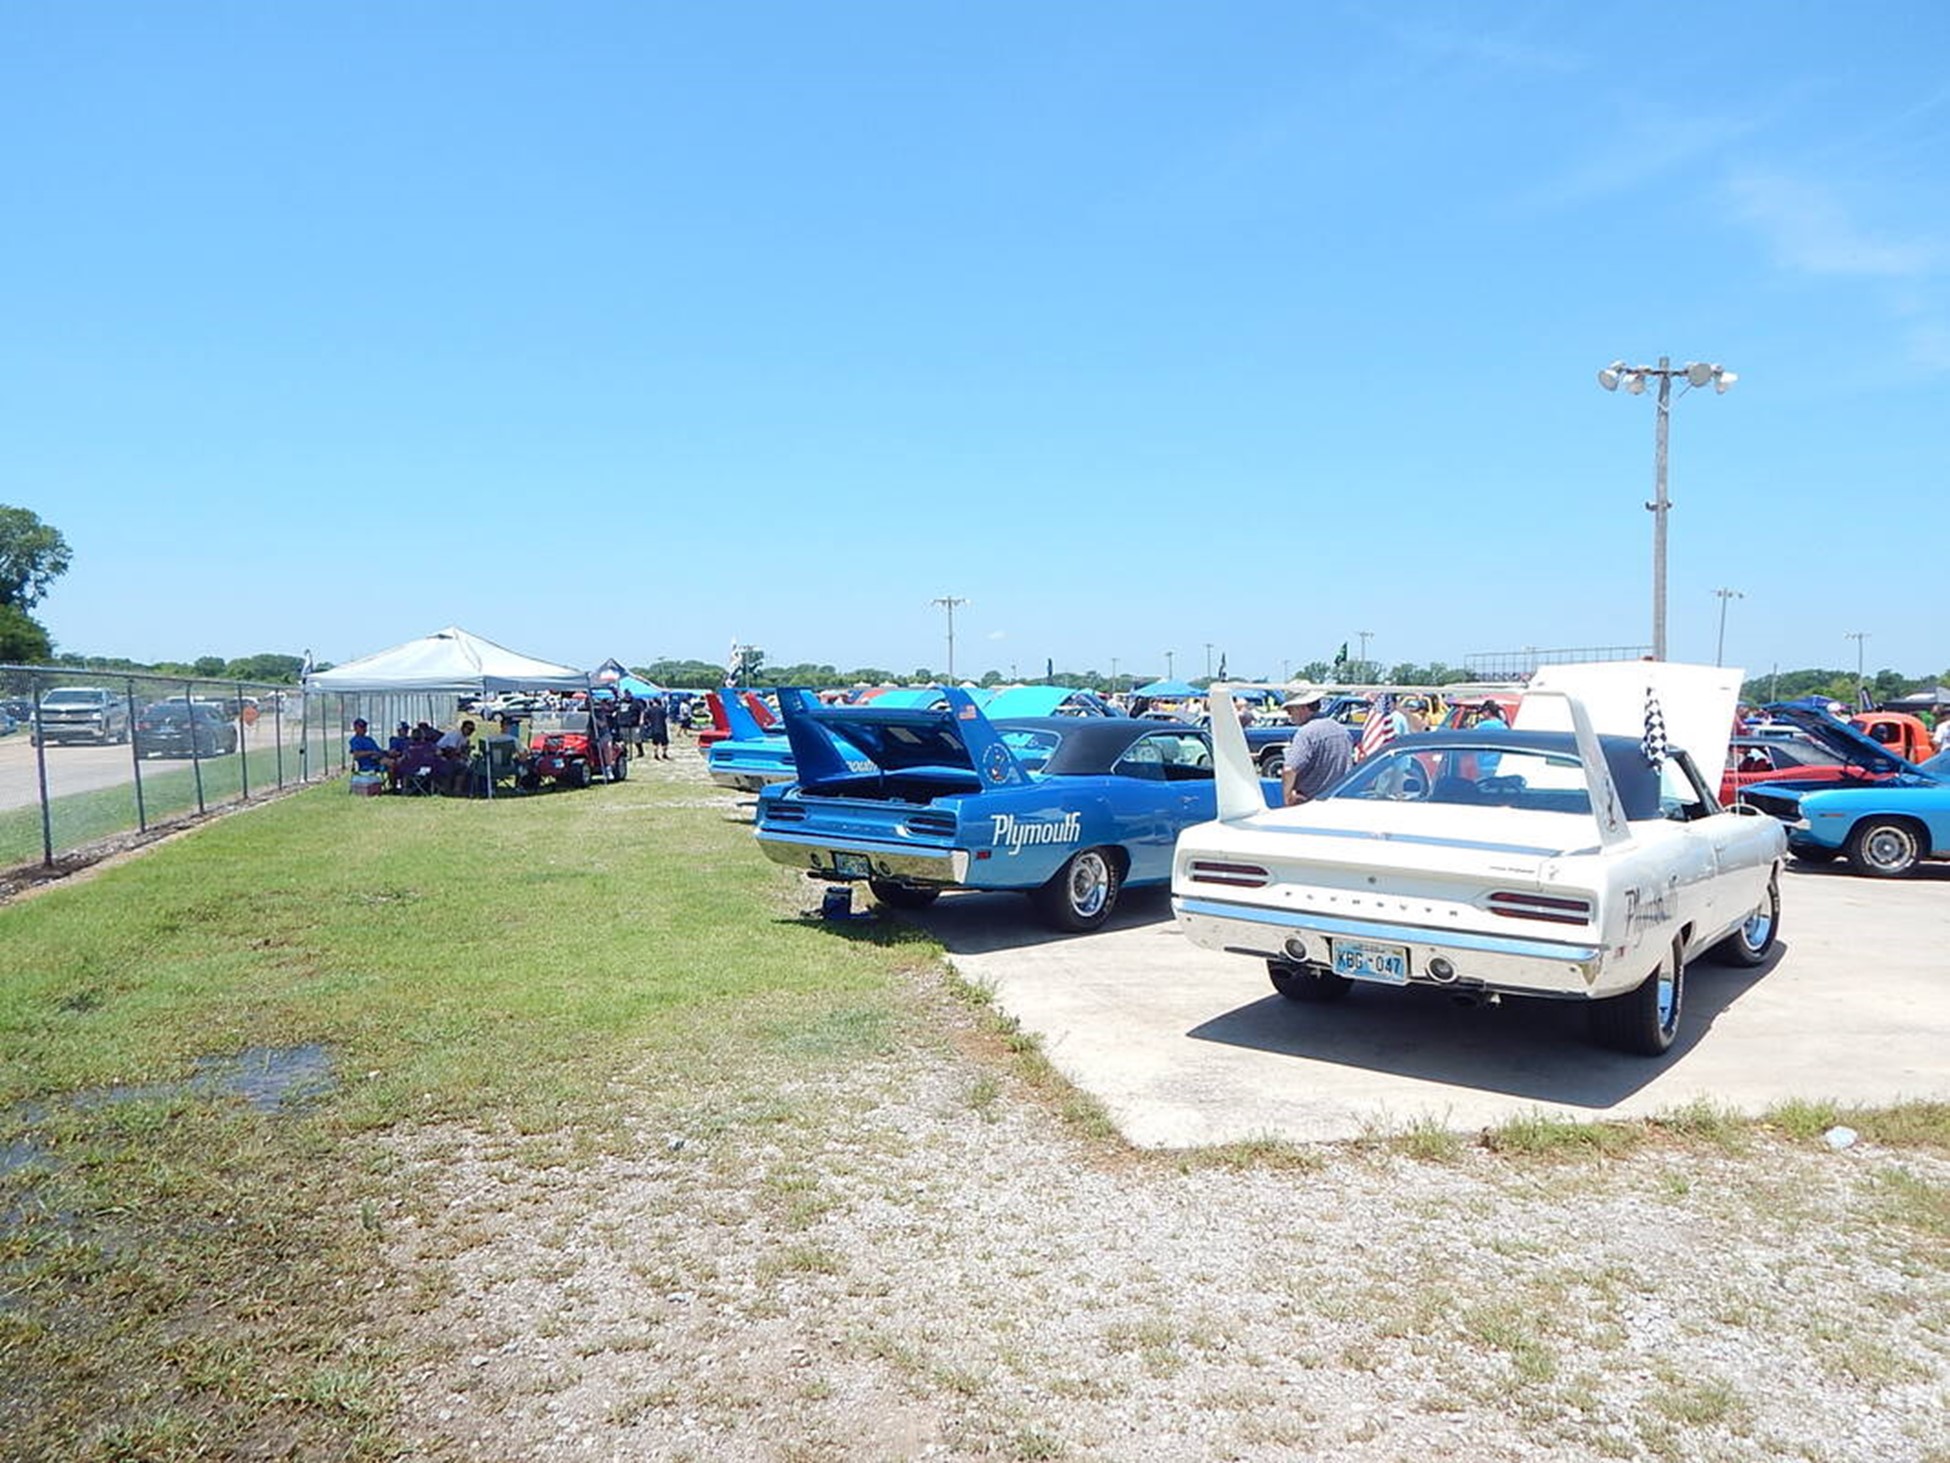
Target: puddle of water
(17,1154)
(266,1077)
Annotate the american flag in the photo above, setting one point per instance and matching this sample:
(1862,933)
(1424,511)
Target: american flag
(1380,727)
(1654,742)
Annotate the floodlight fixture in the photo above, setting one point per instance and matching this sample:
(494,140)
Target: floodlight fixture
(1694,374)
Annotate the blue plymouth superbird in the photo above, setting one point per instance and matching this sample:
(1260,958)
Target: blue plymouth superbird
(1066,809)
(1886,815)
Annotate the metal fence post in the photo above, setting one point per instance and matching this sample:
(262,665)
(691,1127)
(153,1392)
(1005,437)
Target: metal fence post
(135,761)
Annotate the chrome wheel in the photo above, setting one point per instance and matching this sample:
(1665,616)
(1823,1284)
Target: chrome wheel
(1885,849)
(1083,892)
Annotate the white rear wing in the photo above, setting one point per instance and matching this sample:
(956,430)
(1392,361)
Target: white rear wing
(1235,778)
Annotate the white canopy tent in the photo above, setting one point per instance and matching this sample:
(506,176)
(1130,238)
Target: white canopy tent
(449,661)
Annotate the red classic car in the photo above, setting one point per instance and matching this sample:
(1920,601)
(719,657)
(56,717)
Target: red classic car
(1765,759)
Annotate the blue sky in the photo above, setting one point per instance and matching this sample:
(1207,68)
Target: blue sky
(631,329)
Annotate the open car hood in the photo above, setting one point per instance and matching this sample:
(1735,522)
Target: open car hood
(1846,743)
(955,737)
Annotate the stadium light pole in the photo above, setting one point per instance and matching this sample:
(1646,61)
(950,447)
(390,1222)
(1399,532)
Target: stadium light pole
(1367,671)
(1168,655)
(1858,636)
(948,603)
(1694,374)
(1720,647)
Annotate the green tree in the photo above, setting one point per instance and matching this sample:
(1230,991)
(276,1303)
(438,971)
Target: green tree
(32,556)
(22,640)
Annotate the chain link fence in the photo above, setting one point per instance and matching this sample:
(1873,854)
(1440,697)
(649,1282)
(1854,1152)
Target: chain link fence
(88,757)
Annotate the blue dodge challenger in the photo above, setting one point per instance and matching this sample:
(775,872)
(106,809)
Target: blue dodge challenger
(1066,809)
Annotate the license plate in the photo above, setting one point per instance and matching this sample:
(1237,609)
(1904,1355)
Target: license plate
(852,865)
(1387,964)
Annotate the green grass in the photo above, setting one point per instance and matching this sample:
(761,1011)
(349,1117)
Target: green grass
(500,964)
(169,791)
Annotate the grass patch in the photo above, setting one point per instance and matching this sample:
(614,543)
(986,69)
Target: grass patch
(497,965)
(1543,1135)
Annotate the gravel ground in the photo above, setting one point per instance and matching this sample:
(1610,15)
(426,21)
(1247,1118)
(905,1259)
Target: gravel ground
(918,1257)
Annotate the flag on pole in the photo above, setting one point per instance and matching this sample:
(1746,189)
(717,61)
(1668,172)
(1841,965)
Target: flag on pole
(1222,665)
(1864,700)
(1380,728)
(1341,659)
(1654,741)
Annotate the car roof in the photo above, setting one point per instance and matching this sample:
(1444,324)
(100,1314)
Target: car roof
(1089,744)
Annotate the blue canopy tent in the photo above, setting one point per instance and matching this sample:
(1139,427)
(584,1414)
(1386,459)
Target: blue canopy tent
(1169,690)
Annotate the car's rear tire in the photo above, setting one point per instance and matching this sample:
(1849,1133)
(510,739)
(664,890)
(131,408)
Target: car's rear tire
(1885,848)
(1753,942)
(1645,1020)
(1308,983)
(902,896)
(579,774)
(1081,895)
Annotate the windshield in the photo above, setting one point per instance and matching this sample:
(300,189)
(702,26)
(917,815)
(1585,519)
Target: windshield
(74,698)
(1494,774)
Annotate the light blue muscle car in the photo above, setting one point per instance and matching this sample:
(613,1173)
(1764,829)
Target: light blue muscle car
(1066,809)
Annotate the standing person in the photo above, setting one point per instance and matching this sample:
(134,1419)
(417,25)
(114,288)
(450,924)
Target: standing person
(656,725)
(629,723)
(1415,715)
(1490,718)
(1942,734)
(1317,754)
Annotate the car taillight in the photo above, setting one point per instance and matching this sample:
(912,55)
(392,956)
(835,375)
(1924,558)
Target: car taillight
(1238,876)
(1551,908)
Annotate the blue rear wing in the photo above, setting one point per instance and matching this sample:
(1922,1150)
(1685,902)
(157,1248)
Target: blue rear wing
(954,738)
(738,718)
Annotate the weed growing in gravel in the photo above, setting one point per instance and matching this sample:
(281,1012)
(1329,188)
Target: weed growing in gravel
(1542,1135)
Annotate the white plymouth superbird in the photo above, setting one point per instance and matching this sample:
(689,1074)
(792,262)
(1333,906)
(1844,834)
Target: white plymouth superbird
(1555,858)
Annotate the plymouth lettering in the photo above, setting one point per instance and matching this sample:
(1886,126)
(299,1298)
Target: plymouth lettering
(1017,832)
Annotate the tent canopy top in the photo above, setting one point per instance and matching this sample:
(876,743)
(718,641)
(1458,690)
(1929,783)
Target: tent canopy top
(449,660)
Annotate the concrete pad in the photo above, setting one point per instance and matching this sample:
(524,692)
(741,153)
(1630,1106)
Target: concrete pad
(1186,1047)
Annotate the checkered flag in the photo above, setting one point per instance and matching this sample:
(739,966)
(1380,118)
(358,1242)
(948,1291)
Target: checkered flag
(1654,742)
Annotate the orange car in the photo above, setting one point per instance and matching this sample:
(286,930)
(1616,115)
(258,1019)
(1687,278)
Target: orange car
(1900,732)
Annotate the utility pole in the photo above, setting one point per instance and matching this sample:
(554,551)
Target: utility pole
(1208,660)
(1858,636)
(1719,649)
(948,603)
(1113,673)
(1168,655)
(1367,671)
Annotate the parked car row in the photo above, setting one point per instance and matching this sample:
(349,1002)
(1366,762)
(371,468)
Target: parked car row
(1583,852)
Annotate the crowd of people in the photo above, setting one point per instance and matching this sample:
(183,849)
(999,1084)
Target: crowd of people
(425,758)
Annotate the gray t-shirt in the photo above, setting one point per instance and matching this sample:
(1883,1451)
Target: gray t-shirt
(1320,755)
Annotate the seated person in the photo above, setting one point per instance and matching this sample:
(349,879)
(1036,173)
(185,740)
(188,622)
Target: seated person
(1754,759)
(364,751)
(456,749)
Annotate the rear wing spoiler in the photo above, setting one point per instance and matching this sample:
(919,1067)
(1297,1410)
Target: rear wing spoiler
(818,755)
(1240,795)
(739,718)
